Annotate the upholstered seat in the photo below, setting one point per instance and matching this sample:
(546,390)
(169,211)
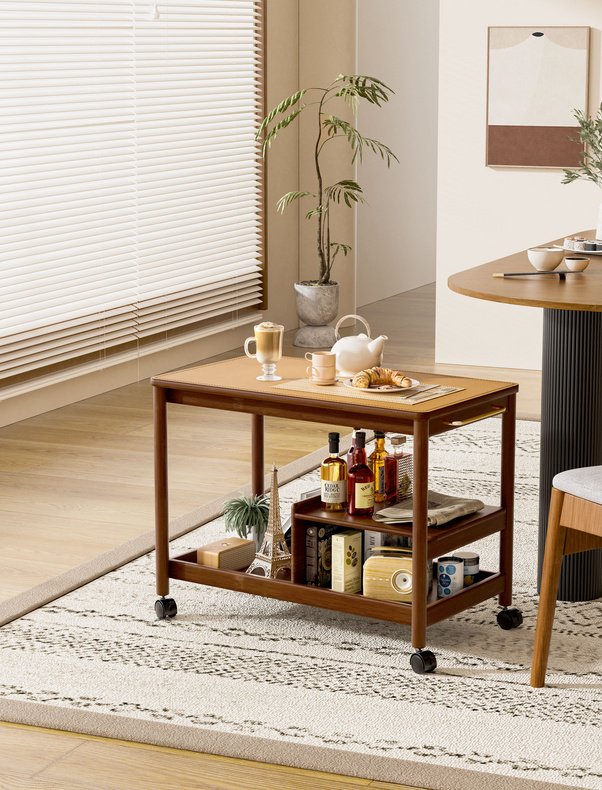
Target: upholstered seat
(574,524)
(586,483)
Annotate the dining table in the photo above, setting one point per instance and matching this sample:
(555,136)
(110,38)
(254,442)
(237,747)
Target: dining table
(571,383)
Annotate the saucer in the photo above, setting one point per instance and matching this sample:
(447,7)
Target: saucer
(322,382)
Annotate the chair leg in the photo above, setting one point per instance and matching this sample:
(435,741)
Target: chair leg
(554,551)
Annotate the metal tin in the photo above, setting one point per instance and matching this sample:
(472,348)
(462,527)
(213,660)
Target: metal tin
(450,576)
(471,566)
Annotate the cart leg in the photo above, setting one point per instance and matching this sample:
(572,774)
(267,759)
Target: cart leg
(257,449)
(507,497)
(161,503)
(419,534)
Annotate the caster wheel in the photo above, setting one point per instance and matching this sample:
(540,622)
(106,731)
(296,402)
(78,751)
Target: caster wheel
(423,661)
(509,619)
(165,607)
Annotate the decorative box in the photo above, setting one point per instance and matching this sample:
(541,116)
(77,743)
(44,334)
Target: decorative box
(347,561)
(233,554)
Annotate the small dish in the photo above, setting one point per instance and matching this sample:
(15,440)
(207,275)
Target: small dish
(386,388)
(322,382)
(545,259)
(576,263)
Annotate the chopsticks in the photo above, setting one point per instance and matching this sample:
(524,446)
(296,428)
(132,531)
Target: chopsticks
(562,274)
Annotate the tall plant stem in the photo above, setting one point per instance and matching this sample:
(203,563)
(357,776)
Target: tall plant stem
(321,255)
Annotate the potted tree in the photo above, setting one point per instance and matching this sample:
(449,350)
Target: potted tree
(590,136)
(247,516)
(317,300)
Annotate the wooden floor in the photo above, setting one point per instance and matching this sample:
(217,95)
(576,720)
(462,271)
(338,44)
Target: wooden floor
(77,481)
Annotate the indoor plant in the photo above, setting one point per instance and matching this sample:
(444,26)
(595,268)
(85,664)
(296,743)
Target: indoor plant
(590,135)
(317,300)
(247,516)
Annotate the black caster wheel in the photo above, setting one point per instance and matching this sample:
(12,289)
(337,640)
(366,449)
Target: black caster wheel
(165,607)
(423,661)
(509,619)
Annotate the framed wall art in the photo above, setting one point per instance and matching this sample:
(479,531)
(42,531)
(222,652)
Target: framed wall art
(537,77)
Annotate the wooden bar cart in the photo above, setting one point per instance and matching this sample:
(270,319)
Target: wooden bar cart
(232,385)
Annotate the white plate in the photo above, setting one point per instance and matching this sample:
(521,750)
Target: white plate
(348,383)
(584,253)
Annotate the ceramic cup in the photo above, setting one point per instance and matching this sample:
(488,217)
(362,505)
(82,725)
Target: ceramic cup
(323,369)
(576,263)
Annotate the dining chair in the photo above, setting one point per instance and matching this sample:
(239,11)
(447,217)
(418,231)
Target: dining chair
(574,524)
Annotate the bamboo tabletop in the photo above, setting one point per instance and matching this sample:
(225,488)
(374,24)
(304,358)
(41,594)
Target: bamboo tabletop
(582,291)
(239,375)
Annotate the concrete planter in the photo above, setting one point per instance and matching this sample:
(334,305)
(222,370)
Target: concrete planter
(316,305)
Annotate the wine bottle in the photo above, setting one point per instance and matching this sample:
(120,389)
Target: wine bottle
(360,481)
(333,473)
(398,472)
(376,462)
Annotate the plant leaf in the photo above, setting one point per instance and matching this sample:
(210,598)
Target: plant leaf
(271,135)
(284,105)
(287,199)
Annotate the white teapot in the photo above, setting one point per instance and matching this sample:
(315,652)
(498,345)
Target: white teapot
(357,352)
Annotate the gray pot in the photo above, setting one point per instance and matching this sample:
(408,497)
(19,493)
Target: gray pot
(316,305)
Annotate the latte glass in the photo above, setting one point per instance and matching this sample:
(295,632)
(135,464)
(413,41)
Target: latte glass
(268,342)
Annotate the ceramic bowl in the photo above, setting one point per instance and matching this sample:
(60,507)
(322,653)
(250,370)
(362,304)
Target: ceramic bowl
(576,263)
(545,259)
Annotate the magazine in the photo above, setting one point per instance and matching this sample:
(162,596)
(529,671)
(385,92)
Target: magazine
(441,509)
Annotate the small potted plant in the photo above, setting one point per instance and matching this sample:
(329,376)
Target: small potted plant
(247,516)
(317,300)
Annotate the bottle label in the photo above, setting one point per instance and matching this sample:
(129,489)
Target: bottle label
(364,495)
(334,491)
(380,480)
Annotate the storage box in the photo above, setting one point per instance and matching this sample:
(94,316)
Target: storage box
(347,561)
(233,554)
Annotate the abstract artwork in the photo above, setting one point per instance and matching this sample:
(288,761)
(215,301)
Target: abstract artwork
(537,78)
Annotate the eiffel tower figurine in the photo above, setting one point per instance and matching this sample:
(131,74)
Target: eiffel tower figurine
(273,556)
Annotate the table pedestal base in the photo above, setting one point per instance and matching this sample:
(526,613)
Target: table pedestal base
(571,429)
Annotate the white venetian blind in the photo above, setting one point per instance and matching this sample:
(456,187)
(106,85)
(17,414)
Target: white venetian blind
(131,185)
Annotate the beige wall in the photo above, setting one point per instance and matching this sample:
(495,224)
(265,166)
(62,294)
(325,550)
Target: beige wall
(486,213)
(327,33)
(398,43)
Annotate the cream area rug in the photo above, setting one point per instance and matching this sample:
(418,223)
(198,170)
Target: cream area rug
(282,683)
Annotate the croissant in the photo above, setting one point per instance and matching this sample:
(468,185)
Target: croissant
(377,376)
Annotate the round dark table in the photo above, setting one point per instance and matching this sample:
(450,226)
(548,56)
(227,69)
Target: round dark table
(571,395)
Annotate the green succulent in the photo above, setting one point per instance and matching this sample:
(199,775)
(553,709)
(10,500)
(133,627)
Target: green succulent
(243,513)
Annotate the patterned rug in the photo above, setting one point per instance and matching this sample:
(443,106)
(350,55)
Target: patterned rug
(283,683)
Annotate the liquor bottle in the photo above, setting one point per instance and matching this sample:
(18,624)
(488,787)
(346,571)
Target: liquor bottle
(376,462)
(351,450)
(398,472)
(333,472)
(360,481)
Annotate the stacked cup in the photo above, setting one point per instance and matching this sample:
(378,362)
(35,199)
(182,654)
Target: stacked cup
(323,368)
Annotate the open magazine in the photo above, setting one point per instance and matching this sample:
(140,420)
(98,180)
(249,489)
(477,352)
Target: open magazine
(441,509)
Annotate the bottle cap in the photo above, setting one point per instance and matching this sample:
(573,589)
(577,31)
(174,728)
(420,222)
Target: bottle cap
(333,442)
(360,440)
(398,439)
(379,434)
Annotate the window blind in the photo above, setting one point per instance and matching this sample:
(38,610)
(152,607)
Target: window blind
(131,185)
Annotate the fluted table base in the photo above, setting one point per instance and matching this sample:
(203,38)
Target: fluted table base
(571,429)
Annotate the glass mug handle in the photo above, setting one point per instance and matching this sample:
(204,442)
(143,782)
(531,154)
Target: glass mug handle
(247,341)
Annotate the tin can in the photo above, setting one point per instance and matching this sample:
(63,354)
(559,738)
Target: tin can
(450,576)
(471,566)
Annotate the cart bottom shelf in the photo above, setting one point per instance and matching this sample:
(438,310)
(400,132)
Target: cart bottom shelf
(185,568)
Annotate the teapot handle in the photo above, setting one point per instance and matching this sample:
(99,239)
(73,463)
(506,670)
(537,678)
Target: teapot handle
(344,318)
